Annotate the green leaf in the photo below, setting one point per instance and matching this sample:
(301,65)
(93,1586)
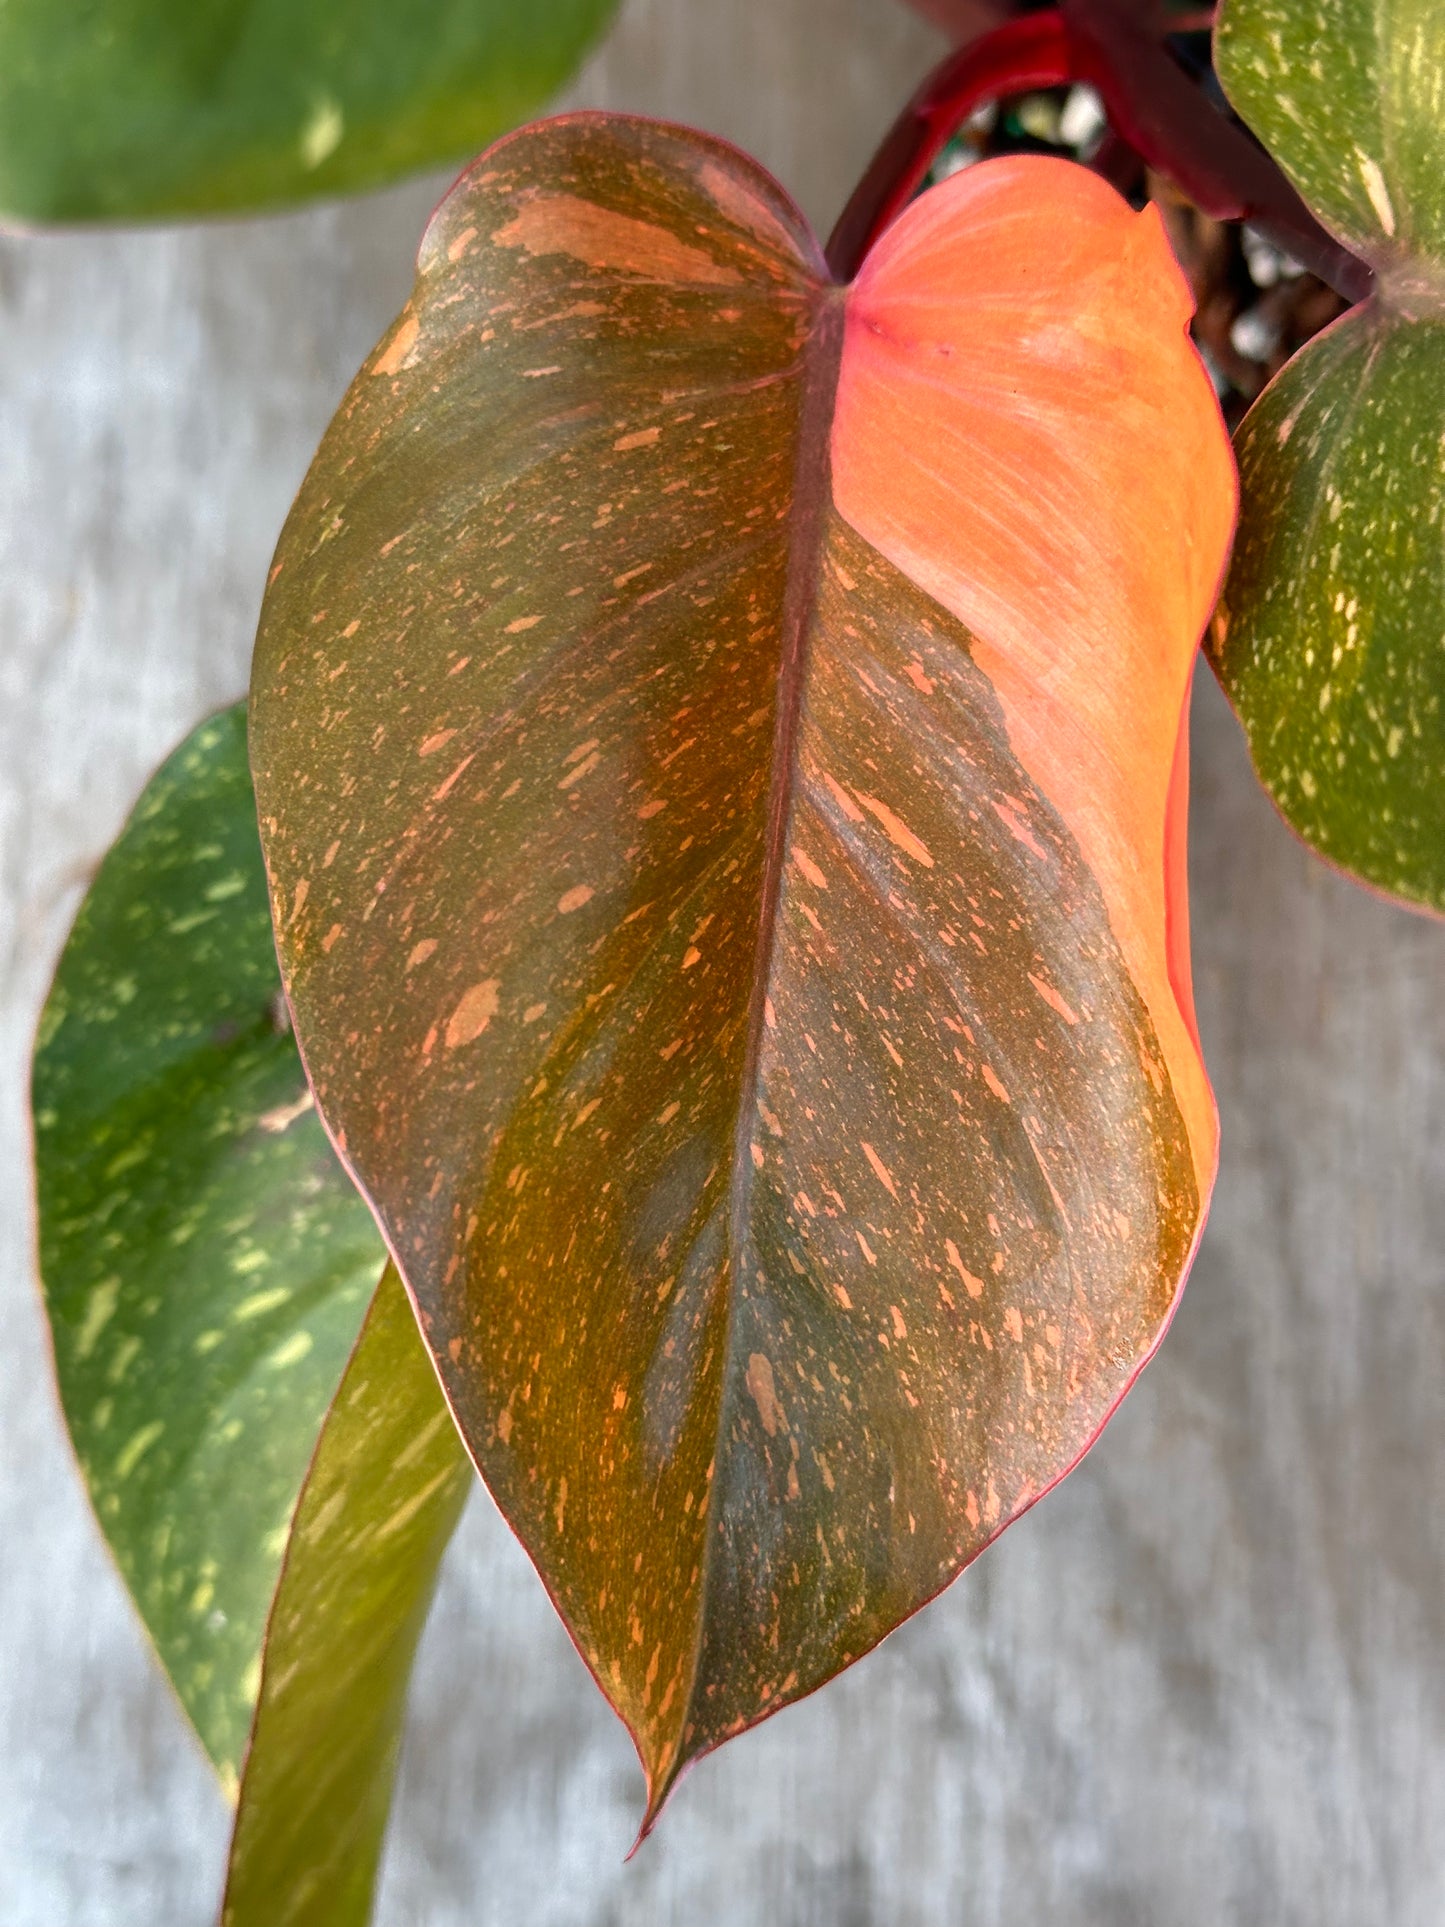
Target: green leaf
(383,1495)
(1349,97)
(1328,638)
(716,744)
(206,1261)
(126,109)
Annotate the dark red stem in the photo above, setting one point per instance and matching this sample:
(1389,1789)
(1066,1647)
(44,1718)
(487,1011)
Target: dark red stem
(1117,47)
(1020,55)
(1153,108)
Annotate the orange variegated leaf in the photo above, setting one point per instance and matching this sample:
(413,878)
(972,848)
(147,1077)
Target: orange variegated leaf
(719,745)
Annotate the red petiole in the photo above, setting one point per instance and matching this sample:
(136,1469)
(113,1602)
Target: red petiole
(1014,58)
(1155,112)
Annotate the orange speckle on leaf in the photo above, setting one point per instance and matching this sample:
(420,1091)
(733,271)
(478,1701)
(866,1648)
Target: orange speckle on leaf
(1009,813)
(880,1169)
(844,801)
(1052,998)
(974,1286)
(574,898)
(759,1381)
(558,223)
(897,831)
(809,869)
(477,1008)
(446,786)
(990,1078)
(584,768)
(393,358)
(421,952)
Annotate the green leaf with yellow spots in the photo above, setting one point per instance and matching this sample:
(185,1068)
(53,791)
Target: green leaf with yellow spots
(206,1261)
(718,744)
(383,1494)
(138,109)
(1330,638)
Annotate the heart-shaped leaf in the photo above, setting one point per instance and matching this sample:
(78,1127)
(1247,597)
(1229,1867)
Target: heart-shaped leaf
(718,744)
(383,1495)
(1328,639)
(127,109)
(206,1261)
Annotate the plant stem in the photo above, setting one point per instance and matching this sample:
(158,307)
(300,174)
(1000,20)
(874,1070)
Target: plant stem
(1154,109)
(1022,54)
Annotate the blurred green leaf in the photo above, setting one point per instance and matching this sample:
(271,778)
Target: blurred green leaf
(383,1495)
(133,109)
(206,1261)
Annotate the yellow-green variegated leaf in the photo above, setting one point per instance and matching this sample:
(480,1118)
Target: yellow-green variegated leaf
(1330,639)
(718,744)
(205,1259)
(384,1492)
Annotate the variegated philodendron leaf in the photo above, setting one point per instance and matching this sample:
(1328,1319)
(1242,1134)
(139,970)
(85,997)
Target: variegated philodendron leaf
(718,745)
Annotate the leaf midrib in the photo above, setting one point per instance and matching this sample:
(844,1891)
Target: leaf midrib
(811,497)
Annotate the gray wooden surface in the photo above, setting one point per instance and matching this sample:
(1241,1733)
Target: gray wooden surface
(1203,1683)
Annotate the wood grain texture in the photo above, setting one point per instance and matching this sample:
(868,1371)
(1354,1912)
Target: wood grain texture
(1241,1717)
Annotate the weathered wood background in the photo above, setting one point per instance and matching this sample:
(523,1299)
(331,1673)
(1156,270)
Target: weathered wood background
(1203,1683)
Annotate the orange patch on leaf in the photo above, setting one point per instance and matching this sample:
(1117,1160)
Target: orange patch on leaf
(1018,400)
(478,1007)
(551,223)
